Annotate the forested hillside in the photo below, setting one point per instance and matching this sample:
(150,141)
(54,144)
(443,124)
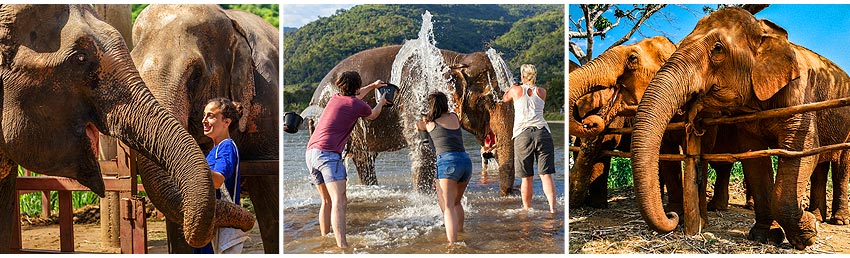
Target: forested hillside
(269,12)
(312,50)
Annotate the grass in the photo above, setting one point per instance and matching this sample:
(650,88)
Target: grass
(31,203)
(620,175)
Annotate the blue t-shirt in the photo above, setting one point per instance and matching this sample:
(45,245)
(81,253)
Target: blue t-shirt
(224,159)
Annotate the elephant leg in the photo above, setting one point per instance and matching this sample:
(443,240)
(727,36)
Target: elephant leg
(720,200)
(8,175)
(840,211)
(817,194)
(264,195)
(758,175)
(750,202)
(671,173)
(598,191)
(365,163)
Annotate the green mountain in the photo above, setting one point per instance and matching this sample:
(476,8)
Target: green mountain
(269,12)
(312,50)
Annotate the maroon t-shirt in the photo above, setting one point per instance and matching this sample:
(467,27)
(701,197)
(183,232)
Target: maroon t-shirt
(336,123)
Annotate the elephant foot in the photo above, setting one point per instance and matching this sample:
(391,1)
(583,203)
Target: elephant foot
(840,217)
(764,233)
(599,204)
(805,233)
(717,205)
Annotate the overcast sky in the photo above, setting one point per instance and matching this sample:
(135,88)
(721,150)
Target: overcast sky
(296,15)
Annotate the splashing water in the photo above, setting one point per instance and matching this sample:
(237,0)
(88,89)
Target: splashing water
(503,73)
(419,67)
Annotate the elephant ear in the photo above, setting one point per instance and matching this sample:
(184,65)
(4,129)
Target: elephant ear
(242,88)
(780,61)
(8,47)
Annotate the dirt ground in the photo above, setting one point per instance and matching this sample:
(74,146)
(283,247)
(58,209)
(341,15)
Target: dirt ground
(87,238)
(620,229)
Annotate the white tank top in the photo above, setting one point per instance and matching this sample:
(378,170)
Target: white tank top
(528,111)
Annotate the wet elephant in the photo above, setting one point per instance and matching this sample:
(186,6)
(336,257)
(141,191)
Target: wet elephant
(60,50)
(475,90)
(189,54)
(739,65)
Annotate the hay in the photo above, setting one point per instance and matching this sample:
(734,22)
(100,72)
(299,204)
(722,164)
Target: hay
(620,229)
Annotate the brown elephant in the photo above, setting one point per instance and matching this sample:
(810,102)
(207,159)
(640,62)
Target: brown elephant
(66,50)
(189,54)
(626,71)
(732,63)
(476,93)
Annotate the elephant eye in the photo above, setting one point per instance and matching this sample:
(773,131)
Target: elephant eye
(718,47)
(80,58)
(632,57)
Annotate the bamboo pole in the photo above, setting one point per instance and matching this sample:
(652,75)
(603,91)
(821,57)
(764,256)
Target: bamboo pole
(732,157)
(692,223)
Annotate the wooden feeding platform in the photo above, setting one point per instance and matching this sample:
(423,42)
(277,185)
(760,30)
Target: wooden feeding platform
(693,154)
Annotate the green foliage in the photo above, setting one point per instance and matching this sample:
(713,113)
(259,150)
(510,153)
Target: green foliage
(269,12)
(296,97)
(620,175)
(539,40)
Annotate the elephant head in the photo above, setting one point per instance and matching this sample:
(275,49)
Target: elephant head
(67,75)
(477,94)
(188,54)
(729,63)
(622,70)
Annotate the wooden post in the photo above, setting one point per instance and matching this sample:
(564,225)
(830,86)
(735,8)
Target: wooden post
(46,208)
(66,222)
(133,232)
(689,186)
(16,228)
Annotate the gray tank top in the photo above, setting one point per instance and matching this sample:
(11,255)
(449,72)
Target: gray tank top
(446,140)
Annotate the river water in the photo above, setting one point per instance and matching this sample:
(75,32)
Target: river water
(394,218)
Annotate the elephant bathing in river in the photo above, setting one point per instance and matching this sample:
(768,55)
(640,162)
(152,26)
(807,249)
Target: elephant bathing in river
(67,75)
(732,63)
(475,91)
(189,54)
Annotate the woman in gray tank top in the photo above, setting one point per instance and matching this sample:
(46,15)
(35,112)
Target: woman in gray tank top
(454,168)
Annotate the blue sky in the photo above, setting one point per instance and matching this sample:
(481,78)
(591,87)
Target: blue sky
(821,28)
(296,15)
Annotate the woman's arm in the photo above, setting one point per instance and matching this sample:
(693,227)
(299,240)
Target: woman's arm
(362,92)
(376,111)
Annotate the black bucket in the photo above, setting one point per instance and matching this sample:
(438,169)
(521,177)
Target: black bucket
(389,89)
(292,121)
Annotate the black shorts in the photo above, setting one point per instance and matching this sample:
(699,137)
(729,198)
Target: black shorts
(534,143)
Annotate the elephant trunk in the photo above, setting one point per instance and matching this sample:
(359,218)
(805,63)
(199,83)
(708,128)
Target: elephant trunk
(600,72)
(134,117)
(666,93)
(502,124)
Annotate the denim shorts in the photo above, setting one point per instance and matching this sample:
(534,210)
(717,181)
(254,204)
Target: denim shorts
(325,166)
(455,166)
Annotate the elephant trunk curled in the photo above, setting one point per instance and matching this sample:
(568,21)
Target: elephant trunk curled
(664,95)
(600,72)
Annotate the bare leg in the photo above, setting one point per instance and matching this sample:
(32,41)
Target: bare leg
(449,188)
(324,210)
(549,190)
(526,190)
(336,190)
(461,188)
(440,199)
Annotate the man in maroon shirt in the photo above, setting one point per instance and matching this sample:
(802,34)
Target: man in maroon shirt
(326,144)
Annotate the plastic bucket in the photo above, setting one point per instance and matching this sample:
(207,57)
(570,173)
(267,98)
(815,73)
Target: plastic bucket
(389,89)
(292,121)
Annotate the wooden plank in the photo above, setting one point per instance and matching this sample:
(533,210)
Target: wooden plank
(140,228)
(732,157)
(259,167)
(66,222)
(45,204)
(125,226)
(54,183)
(16,225)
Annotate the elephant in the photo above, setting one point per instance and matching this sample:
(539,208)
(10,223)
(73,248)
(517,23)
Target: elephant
(627,69)
(474,90)
(67,50)
(202,52)
(732,63)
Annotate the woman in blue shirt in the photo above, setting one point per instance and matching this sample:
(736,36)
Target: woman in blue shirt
(220,116)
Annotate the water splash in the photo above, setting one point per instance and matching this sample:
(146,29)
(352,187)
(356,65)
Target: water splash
(419,69)
(503,73)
